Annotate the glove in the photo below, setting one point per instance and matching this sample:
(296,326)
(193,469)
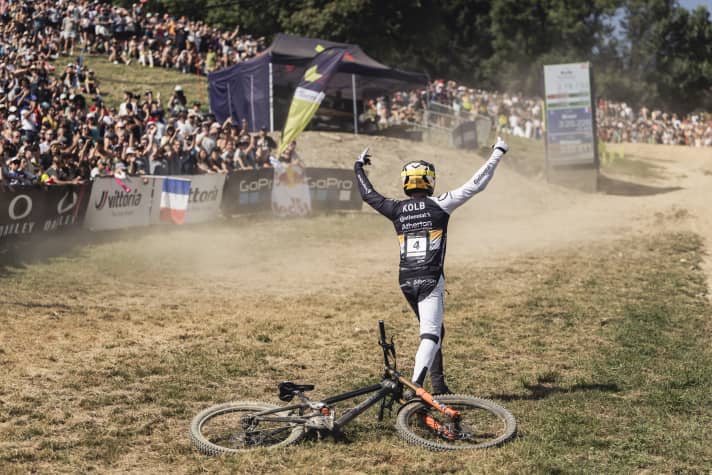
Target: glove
(501,145)
(364,158)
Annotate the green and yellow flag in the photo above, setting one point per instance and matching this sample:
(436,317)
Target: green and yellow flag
(309,94)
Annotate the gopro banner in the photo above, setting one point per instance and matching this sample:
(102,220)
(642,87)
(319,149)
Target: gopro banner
(117,204)
(318,189)
(248,191)
(333,189)
(25,211)
(309,93)
(569,115)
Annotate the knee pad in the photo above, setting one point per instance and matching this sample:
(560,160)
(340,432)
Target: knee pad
(431,337)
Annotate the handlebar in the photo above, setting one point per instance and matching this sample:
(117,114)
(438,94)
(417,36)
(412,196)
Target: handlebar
(382,331)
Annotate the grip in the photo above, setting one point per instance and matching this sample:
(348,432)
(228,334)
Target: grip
(382,331)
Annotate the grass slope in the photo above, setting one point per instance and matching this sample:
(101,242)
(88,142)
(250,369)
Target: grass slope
(114,79)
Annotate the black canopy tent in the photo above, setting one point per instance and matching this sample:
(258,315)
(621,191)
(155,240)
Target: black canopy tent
(239,91)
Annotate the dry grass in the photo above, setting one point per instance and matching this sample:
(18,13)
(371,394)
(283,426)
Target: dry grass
(599,353)
(114,79)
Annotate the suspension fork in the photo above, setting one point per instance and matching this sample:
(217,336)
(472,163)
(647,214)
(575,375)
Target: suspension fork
(426,397)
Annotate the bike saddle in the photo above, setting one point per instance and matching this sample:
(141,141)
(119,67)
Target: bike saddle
(288,389)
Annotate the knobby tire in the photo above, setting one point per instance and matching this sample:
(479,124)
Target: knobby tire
(219,429)
(484,424)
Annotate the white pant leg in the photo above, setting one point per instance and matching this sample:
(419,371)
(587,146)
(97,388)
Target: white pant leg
(431,324)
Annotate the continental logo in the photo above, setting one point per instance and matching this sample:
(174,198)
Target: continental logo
(119,199)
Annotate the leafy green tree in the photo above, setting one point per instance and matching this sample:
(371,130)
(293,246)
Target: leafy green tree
(669,54)
(530,33)
(659,55)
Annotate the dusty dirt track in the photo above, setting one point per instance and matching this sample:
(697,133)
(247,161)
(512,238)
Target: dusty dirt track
(516,215)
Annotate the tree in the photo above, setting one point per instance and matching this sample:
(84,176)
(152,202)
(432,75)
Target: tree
(669,54)
(530,33)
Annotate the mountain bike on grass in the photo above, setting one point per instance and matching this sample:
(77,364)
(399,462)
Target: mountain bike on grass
(441,422)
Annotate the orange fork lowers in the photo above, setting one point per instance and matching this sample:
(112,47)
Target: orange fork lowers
(428,399)
(437,427)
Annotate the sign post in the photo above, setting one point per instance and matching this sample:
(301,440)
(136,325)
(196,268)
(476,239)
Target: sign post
(571,151)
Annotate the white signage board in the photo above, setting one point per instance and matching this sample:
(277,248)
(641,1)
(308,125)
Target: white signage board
(126,203)
(569,114)
(206,193)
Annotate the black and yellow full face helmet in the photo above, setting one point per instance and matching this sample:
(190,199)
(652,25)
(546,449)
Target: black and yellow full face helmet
(418,176)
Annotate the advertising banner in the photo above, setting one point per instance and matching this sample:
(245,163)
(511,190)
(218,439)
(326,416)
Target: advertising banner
(569,115)
(206,194)
(333,189)
(248,191)
(116,204)
(251,191)
(26,211)
(290,192)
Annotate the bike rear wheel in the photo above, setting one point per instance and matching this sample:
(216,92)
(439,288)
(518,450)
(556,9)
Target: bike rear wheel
(482,424)
(229,428)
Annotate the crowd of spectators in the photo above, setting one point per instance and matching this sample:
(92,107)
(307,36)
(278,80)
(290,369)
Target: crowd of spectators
(618,122)
(56,127)
(511,114)
(520,116)
(132,34)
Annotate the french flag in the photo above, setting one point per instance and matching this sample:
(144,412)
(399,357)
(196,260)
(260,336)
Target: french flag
(174,199)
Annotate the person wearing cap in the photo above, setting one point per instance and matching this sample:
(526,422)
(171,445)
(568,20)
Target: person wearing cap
(101,168)
(120,169)
(28,123)
(15,176)
(208,139)
(244,157)
(136,165)
(178,102)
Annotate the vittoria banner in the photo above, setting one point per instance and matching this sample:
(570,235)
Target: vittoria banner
(26,211)
(116,204)
(206,192)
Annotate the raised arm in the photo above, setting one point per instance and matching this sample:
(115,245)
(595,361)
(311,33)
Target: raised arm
(375,200)
(451,200)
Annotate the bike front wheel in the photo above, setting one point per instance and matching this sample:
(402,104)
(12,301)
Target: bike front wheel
(482,424)
(231,428)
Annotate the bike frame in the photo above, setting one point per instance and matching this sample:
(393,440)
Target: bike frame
(392,384)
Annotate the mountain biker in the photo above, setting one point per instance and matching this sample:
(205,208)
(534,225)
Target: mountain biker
(421,224)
